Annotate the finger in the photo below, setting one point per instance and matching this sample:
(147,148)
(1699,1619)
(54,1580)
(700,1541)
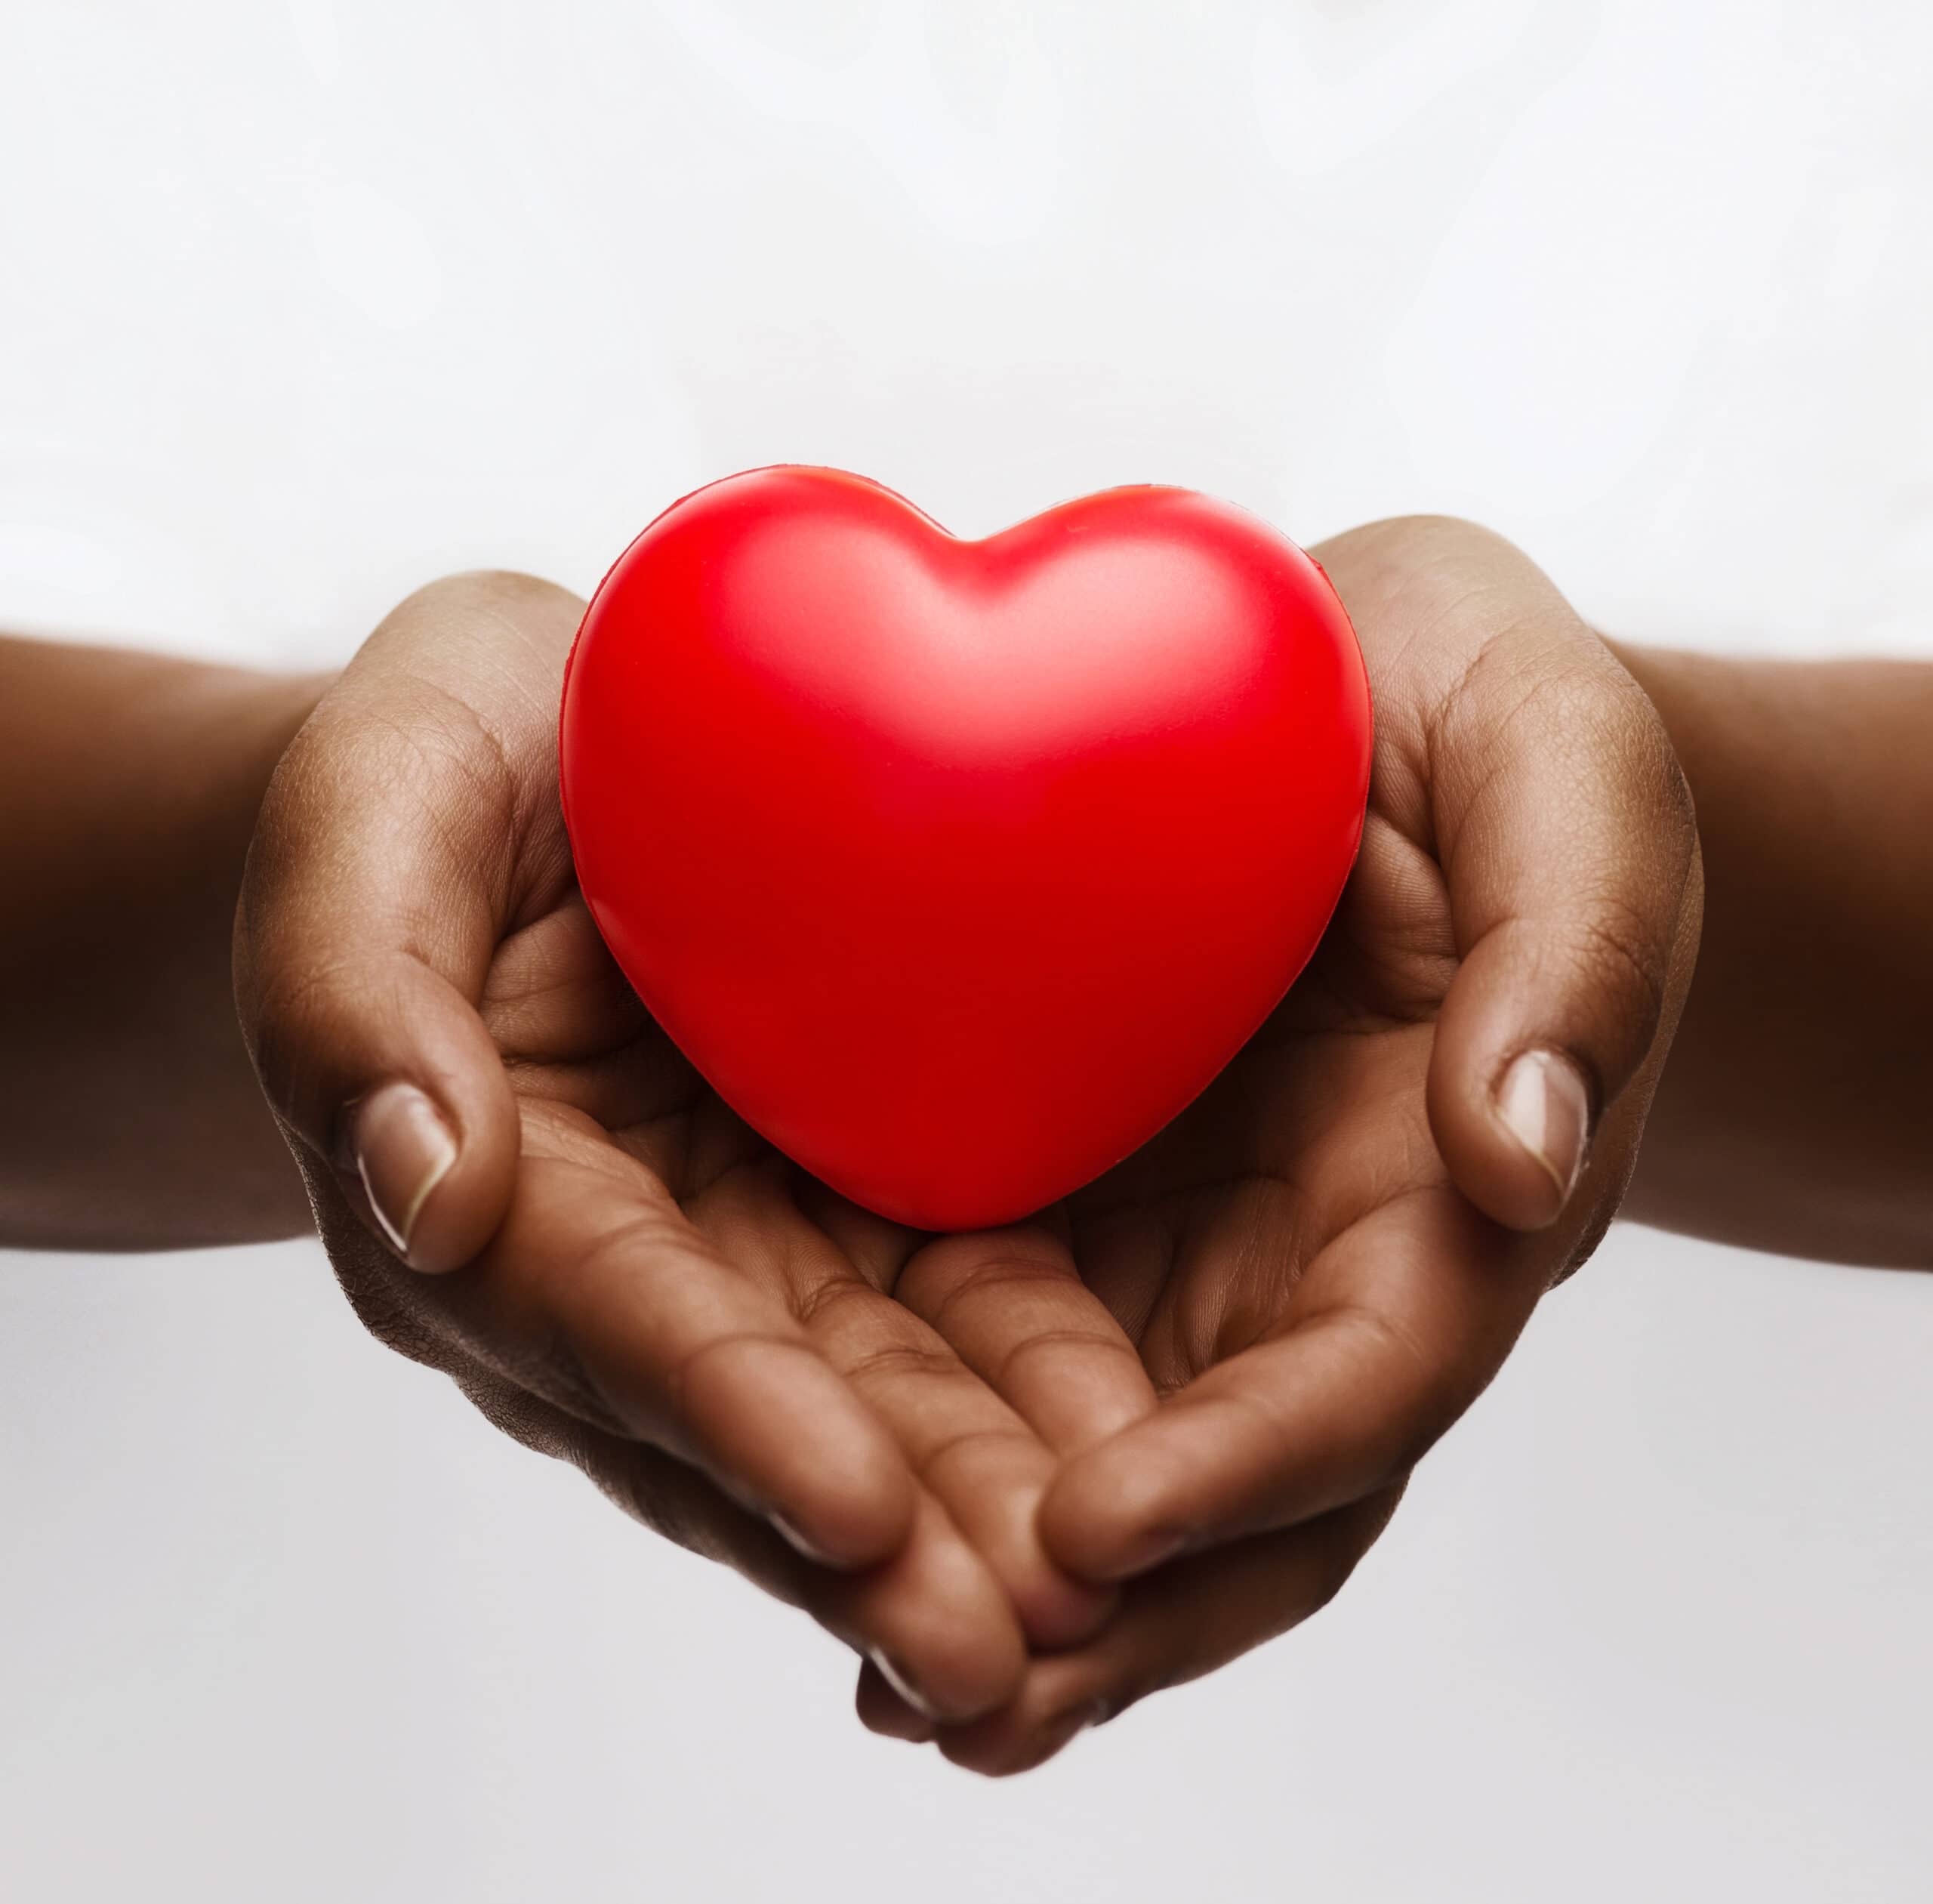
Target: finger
(596,1294)
(1010,1303)
(1572,864)
(932,1612)
(976,1456)
(1566,835)
(883,1710)
(932,1619)
(1180,1624)
(396,841)
(1393,1329)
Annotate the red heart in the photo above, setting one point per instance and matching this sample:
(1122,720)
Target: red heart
(959,868)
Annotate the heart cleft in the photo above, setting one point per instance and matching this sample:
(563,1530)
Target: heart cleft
(959,868)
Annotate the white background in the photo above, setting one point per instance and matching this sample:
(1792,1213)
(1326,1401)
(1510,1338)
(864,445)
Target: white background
(300,305)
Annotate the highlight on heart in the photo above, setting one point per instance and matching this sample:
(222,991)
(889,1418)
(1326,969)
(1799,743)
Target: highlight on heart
(1256,1147)
(958,868)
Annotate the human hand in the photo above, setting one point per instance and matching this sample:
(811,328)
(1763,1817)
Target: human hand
(1325,1261)
(522,1183)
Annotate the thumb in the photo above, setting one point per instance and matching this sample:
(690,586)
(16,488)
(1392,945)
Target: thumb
(383,873)
(1570,853)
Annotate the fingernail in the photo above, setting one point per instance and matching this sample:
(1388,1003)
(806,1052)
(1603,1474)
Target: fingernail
(798,1542)
(1543,1104)
(403,1150)
(896,1677)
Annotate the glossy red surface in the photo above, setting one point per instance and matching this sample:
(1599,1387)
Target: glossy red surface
(959,868)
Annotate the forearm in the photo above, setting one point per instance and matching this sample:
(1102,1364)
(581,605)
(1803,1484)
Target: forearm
(1796,1112)
(129,784)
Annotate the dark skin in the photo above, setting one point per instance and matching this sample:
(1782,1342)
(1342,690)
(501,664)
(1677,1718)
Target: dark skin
(1215,1369)
(1312,1297)
(1043,1471)
(1795,1116)
(129,785)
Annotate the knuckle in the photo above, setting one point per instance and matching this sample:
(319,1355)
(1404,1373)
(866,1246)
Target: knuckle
(682,1374)
(971,1444)
(495,610)
(833,1297)
(469,591)
(1058,1342)
(1000,1276)
(500,588)
(299,1017)
(292,1002)
(889,1361)
(1404,544)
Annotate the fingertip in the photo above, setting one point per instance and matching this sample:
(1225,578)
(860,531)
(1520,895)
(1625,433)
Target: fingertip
(879,1519)
(1514,1134)
(994,1483)
(1057,1611)
(939,1627)
(832,1482)
(1110,1514)
(436,1185)
(1007,1756)
(862,1517)
(383,1069)
(965,1681)
(888,1714)
(1542,1106)
(1037,1725)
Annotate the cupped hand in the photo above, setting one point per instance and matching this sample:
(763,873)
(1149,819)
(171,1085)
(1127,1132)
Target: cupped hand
(522,1183)
(1323,1261)
(1210,1373)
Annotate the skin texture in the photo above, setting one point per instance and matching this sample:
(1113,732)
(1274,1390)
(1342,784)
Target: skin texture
(1312,1298)
(1795,1116)
(954,1451)
(1039,1473)
(646,1288)
(130,1118)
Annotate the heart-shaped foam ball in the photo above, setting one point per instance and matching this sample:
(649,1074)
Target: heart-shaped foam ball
(959,868)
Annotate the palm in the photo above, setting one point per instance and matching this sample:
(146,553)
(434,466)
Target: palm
(992,1356)
(1237,1341)
(1289,1262)
(1214,1236)
(1297,1188)
(1297,1216)
(1301,1189)
(620,1131)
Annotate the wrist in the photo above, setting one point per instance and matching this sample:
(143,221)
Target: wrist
(239,726)
(132,784)
(1791,1115)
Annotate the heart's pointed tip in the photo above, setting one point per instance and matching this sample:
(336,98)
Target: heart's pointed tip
(865,830)
(948,1215)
